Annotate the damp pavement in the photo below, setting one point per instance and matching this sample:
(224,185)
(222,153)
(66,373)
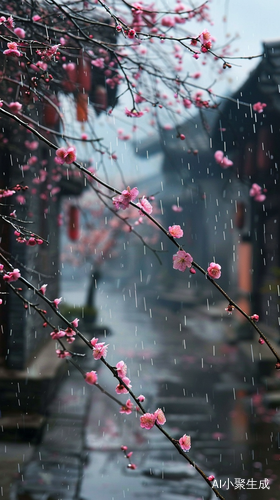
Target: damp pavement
(179,358)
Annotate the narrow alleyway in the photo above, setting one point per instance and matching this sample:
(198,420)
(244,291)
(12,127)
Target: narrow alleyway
(178,357)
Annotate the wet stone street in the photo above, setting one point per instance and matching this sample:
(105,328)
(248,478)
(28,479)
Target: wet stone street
(179,359)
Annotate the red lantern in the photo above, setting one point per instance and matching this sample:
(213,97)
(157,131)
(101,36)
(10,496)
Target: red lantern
(84,86)
(84,75)
(73,225)
(70,84)
(51,115)
(82,107)
(100,99)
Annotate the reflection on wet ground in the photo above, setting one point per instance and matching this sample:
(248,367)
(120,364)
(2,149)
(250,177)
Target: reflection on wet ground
(181,362)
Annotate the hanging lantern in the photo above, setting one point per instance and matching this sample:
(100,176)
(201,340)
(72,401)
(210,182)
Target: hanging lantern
(70,83)
(82,107)
(50,114)
(73,223)
(84,75)
(100,101)
(84,86)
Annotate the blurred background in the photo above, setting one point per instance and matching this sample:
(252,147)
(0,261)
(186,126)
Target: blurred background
(184,352)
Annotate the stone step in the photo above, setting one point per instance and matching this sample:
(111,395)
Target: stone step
(30,390)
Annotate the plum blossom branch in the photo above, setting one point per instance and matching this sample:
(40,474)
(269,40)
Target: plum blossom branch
(157,223)
(101,196)
(91,377)
(175,443)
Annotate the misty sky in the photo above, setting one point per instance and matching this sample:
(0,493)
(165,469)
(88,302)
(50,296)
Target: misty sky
(253,21)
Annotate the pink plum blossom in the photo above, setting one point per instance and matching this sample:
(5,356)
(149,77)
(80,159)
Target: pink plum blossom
(57,334)
(176,208)
(122,200)
(32,160)
(222,160)
(91,377)
(15,107)
(121,389)
(98,63)
(256,193)
(255,317)
(219,155)
(259,107)
(100,350)
(141,398)
(62,354)
(57,302)
(145,205)
(121,369)
(127,408)
(12,276)
(31,145)
(187,103)
(131,33)
(19,32)
(182,260)
(6,192)
(168,21)
(133,113)
(75,322)
(132,466)
(32,241)
(148,420)
(20,199)
(175,231)
(185,442)
(180,7)
(70,332)
(12,49)
(160,417)
(42,289)
(206,40)
(65,155)
(70,340)
(10,22)
(214,270)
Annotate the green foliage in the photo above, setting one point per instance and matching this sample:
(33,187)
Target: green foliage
(87,314)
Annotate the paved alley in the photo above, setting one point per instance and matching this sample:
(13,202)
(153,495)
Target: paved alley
(178,358)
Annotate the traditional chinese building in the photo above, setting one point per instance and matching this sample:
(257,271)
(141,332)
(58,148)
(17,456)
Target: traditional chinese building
(250,135)
(28,365)
(220,219)
(192,180)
